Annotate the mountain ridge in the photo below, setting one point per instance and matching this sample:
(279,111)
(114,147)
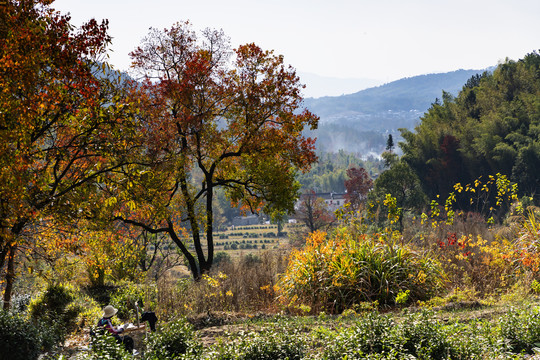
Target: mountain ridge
(347,121)
(395,95)
(318,86)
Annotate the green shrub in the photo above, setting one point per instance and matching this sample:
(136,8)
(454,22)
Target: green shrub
(175,341)
(370,335)
(422,336)
(222,258)
(125,296)
(19,338)
(415,336)
(474,340)
(266,345)
(54,300)
(91,311)
(105,346)
(520,329)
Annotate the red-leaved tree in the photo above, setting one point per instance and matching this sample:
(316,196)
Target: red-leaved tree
(357,186)
(212,118)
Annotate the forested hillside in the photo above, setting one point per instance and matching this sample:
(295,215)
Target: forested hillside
(330,172)
(491,127)
(414,93)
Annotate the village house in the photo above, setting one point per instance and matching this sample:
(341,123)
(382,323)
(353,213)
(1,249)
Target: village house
(333,200)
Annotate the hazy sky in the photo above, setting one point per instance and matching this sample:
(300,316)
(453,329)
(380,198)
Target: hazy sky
(376,39)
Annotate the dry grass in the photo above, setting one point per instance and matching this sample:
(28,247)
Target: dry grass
(473,254)
(245,284)
(482,258)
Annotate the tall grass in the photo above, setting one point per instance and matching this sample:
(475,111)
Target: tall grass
(487,259)
(245,285)
(528,242)
(338,271)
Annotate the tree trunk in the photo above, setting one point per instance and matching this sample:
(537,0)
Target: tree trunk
(194,267)
(3,252)
(195,231)
(209,227)
(10,276)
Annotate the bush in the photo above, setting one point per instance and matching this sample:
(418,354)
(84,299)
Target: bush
(336,272)
(416,336)
(54,300)
(473,340)
(268,345)
(472,254)
(91,311)
(222,258)
(422,336)
(19,339)
(105,346)
(520,329)
(370,335)
(175,341)
(127,294)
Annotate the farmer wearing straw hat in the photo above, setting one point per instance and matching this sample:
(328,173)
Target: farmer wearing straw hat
(105,322)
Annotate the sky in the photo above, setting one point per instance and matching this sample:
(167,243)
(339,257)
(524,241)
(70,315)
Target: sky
(373,41)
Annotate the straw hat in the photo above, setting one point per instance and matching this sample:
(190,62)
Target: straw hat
(109,311)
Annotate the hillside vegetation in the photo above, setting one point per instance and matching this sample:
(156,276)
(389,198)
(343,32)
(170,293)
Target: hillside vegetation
(414,93)
(492,126)
(112,193)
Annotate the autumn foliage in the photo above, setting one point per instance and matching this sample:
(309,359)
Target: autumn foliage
(338,271)
(60,122)
(358,185)
(211,118)
(104,180)
(314,213)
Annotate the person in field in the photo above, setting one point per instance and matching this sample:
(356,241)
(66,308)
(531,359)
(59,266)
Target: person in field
(105,322)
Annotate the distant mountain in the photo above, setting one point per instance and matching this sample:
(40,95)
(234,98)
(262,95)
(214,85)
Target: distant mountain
(319,86)
(361,122)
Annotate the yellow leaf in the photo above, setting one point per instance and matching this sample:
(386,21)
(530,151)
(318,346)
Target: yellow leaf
(131,205)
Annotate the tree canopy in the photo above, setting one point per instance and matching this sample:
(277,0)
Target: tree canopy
(211,117)
(358,185)
(60,122)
